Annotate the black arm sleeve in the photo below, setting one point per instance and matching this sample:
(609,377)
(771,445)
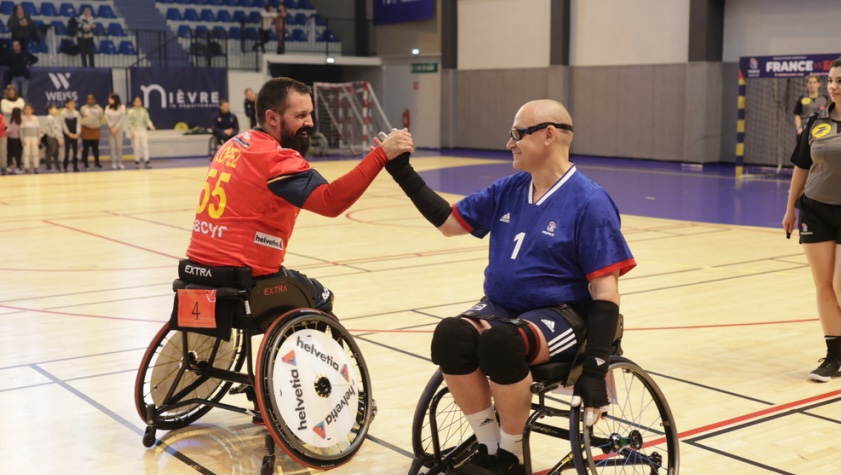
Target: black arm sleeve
(602,321)
(435,209)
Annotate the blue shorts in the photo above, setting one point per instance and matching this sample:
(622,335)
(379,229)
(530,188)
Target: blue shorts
(559,334)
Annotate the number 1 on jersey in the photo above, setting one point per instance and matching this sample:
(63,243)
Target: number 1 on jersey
(518,239)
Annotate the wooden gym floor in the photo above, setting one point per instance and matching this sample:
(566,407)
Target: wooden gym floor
(722,315)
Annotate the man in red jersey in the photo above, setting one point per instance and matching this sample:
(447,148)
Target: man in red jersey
(259,181)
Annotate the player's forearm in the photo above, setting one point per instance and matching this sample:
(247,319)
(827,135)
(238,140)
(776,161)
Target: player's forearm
(798,122)
(435,209)
(333,199)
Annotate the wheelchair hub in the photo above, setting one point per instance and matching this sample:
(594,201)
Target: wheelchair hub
(634,440)
(322,386)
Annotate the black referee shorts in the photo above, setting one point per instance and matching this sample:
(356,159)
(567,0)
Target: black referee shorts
(818,222)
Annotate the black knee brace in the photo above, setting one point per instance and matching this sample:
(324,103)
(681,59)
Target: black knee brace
(502,354)
(454,346)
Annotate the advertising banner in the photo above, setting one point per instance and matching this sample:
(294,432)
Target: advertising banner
(793,66)
(174,95)
(55,85)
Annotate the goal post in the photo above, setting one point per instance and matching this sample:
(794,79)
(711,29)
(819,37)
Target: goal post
(348,115)
(768,89)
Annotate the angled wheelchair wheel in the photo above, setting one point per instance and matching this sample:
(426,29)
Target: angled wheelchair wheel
(162,380)
(441,436)
(639,434)
(313,389)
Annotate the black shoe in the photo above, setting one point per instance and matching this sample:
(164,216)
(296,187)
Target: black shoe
(97,165)
(478,464)
(827,369)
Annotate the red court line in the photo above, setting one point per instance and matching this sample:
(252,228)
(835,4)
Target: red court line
(109,269)
(723,325)
(112,239)
(70,314)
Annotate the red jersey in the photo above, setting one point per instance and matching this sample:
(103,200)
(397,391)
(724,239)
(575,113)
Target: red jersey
(239,220)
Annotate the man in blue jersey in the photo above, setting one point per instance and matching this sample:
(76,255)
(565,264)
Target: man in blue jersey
(555,240)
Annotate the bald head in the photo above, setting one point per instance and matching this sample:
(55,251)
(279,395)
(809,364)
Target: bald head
(546,110)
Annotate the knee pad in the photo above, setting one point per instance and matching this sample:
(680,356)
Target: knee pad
(454,344)
(502,354)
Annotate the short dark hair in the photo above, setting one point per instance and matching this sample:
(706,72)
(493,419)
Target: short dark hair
(835,63)
(273,95)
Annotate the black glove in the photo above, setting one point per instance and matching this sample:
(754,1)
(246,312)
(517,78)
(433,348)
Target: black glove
(591,388)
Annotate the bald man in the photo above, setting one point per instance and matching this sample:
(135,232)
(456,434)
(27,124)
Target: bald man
(555,246)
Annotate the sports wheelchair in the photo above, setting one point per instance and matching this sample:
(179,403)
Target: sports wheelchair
(637,436)
(310,384)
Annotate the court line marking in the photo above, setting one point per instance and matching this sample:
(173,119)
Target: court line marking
(111,239)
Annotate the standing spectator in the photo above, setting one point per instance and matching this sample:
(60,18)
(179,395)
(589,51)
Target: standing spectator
(3,145)
(225,124)
(250,107)
(86,27)
(267,18)
(53,138)
(15,148)
(19,62)
(71,125)
(21,26)
(138,122)
(280,28)
(809,103)
(115,117)
(11,100)
(30,136)
(91,130)
(815,191)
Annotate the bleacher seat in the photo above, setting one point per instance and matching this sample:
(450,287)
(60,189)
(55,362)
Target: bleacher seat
(201,31)
(229,3)
(182,2)
(29,8)
(320,20)
(7,7)
(220,32)
(99,29)
(224,16)
(59,28)
(328,35)
(240,16)
(297,35)
(214,3)
(3,28)
(207,15)
(87,5)
(301,19)
(68,46)
(105,11)
(184,31)
(127,48)
(290,3)
(245,3)
(234,33)
(198,2)
(250,33)
(290,20)
(67,9)
(254,17)
(116,29)
(107,47)
(48,9)
(36,48)
(173,14)
(305,5)
(190,14)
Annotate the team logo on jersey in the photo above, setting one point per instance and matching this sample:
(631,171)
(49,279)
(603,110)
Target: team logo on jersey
(806,101)
(268,240)
(549,324)
(550,229)
(506,218)
(820,131)
(479,306)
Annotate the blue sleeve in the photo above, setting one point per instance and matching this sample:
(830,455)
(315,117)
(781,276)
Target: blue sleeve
(296,188)
(477,211)
(599,242)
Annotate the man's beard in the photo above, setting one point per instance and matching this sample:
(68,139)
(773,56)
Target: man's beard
(296,140)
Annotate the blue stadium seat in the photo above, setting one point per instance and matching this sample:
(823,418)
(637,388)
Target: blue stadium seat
(328,35)
(99,29)
(67,9)
(105,11)
(201,31)
(88,5)
(234,33)
(250,33)
(116,29)
(319,20)
(173,14)
(59,28)
(240,16)
(107,47)
(165,1)
(305,5)
(215,3)
(199,2)
(301,19)
(3,28)
(7,7)
(127,48)
(207,15)
(29,8)
(224,16)
(48,9)
(68,46)
(298,35)
(290,3)
(182,2)
(190,14)
(254,17)
(290,20)
(220,32)
(229,3)
(245,3)
(184,31)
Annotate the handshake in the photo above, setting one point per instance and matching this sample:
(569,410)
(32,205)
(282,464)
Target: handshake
(395,144)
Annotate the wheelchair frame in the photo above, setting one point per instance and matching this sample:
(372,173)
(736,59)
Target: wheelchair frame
(626,448)
(190,358)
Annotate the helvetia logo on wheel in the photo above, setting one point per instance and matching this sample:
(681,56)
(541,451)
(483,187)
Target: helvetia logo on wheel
(323,401)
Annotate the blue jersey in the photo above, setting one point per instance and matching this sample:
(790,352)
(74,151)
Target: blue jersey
(544,253)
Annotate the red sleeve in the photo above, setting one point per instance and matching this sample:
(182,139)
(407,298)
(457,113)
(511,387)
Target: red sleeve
(333,199)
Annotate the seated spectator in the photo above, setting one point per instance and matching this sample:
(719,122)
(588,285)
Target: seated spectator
(225,124)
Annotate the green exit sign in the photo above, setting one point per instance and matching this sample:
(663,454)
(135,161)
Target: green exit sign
(425,68)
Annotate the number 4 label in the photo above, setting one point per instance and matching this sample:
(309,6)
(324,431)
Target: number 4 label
(197,308)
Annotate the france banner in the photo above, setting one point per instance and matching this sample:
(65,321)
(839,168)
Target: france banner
(174,95)
(793,66)
(398,11)
(56,85)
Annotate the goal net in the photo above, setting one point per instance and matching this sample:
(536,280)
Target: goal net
(348,116)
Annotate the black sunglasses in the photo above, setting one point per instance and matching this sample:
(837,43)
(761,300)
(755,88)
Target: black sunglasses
(518,134)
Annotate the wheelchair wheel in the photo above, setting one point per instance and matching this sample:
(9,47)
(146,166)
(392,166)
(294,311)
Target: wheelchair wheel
(441,436)
(161,379)
(313,389)
(639,434)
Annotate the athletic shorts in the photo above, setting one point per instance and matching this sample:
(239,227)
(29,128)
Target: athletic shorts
(818,222)
(559,335)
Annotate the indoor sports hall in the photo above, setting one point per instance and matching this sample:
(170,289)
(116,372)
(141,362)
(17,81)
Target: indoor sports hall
(674,116)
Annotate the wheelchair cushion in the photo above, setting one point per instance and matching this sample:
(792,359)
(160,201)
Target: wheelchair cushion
(551,372)
(237,277)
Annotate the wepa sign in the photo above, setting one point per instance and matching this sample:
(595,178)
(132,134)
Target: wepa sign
(793,66)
